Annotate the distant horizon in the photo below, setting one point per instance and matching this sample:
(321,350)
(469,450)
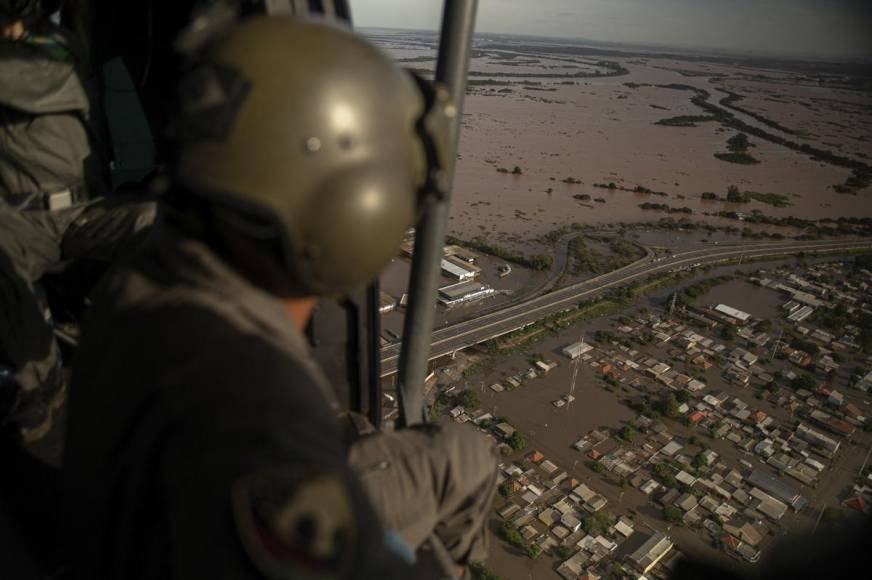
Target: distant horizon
(825,30)
(617,45)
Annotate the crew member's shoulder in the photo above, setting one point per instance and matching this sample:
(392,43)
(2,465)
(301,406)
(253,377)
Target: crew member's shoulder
(50,70)
(181,302)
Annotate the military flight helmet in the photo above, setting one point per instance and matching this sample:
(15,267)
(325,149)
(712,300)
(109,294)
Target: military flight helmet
(302,132)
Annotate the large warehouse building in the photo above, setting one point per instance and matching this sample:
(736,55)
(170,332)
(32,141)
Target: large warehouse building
(454,268)
(737,315)
(464,292)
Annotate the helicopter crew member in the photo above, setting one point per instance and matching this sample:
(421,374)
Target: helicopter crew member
(50,205)
(202,438)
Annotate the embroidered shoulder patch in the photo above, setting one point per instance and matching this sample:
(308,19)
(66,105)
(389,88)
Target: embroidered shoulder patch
(295,527)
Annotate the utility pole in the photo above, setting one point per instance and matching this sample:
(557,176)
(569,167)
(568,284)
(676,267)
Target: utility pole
(572,383)
(865,460)
(574,376)
(777,342)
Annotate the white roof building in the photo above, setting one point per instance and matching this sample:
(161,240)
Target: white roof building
(464,292)
(456,271)
(577,349)
(742,317)
(624,527)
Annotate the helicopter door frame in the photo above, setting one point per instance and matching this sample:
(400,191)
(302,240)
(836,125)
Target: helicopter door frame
(452,67)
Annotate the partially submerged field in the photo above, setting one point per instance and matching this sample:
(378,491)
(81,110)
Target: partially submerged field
(570,119)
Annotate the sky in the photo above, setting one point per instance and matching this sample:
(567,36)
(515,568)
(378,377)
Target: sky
(814,28)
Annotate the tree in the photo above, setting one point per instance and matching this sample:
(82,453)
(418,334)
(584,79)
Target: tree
(736,196)
(672,514)
(505,488)
(728,332)
(469,399)
(738,143)
(562,552)
(663,474)
(627,433)
(806,346)
(541,262)
(517,170)
(682,396)
(479,571)
(598,522)
(509,533)
(669,405)
(517,442)
(804,381)
(533,551)
(597,467)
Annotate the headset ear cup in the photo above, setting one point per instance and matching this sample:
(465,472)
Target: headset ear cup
(333,146)
(352,225)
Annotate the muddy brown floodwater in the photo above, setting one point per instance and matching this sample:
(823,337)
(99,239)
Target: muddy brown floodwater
(757,301)
(600,130)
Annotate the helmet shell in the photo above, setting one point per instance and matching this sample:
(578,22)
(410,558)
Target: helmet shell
(323,145)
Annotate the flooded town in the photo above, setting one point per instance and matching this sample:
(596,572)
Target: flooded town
(706,407)
(690,427)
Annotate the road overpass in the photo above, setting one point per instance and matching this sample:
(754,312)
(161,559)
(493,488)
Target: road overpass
(461,335)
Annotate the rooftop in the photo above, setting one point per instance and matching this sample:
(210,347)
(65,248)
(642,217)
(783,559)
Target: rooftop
(733,312)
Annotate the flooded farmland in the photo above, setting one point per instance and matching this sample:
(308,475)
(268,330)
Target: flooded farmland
(569,121)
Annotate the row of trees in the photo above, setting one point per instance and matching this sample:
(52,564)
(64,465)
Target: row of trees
(480,243)
(510,533)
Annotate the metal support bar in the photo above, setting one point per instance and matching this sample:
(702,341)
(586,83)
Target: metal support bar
(373,355)
(455,47)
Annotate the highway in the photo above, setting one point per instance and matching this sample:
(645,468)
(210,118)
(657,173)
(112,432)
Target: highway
(452,338)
